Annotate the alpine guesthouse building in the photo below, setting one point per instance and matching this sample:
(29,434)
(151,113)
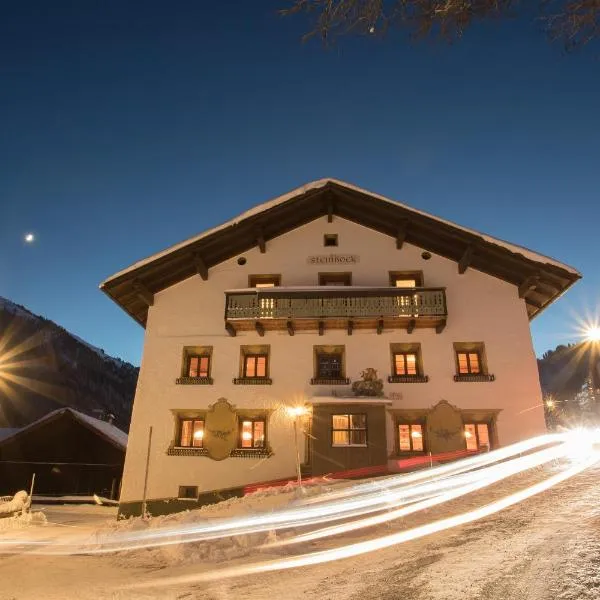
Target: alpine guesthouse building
(390,332)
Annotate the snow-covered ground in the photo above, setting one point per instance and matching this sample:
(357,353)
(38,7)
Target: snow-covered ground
(547,547)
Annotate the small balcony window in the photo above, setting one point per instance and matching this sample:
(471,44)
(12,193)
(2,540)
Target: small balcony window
(264,281)
(406,279)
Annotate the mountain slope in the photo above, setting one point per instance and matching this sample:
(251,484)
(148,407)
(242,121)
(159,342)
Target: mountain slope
(44,367)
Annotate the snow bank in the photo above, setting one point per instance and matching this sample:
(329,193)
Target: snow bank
(22,521)
(218,550)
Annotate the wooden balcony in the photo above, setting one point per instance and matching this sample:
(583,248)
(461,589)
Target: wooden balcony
(334,307)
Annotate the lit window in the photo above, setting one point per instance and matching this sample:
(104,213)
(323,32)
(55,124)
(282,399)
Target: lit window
(469,363)
(264,281)
(191,433)
(255,365)
(252,433)
(410,437)
(477,436)
(406,279)
(198,366)
(405,363)
(349,430)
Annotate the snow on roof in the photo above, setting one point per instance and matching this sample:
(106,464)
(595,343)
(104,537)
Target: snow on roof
(114,434)
(320,183)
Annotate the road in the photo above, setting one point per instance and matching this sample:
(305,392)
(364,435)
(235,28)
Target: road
(545,548)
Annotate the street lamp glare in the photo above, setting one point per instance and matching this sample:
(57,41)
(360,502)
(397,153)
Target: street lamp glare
(296,411)
(592,334)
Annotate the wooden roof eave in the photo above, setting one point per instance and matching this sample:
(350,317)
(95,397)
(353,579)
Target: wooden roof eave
(421,230)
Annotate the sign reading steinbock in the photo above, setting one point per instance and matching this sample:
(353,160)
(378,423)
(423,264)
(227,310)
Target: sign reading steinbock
(333,259)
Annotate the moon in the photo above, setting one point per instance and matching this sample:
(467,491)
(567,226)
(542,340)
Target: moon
(29,238)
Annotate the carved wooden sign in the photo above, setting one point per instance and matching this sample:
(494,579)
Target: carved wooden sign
(333,259)
(220,430)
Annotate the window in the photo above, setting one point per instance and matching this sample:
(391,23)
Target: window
(335,279)
(191,433)
(329,366)
(252,433)
(477,436)
(330,239)
(406,279)
(410,437)
(198,365)
(469,363)
(264,281)
(255,365)
(349,430)
(188,492)
(405,363)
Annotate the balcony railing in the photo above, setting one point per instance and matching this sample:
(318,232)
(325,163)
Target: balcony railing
(331,303)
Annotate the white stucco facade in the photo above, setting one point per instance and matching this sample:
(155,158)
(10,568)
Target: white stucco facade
(481,308)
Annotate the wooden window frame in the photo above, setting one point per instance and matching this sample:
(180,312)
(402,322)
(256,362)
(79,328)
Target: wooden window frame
(253,280)
(416,275)
(255,357)
(324,355)
(345,277)
(468,348)
(349,430)
(199,357)
(476,425)
(468,354)
(405,354)
(410,425)
(257,419)
(193,420)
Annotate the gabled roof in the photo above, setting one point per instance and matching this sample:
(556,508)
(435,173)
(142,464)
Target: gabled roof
(541,279)
(109,432)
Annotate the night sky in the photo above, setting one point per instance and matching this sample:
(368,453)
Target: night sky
(126,127)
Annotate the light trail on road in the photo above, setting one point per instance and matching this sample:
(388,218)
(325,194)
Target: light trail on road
(354,507)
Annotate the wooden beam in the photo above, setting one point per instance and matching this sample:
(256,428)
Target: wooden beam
(143,293)
(401,234)
(411,326)
(290,328)
(465,260)
(379,326)
(329,209)
(440,327)
(200,266)
(260,328)
(350,327)
(528,285)
(321,327)
(260,240)
(230,329)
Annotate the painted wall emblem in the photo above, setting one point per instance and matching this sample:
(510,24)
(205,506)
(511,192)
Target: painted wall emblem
(220,436)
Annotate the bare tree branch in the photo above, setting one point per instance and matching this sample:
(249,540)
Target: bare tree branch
(574,22)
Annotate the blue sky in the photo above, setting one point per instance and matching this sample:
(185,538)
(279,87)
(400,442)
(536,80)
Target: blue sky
(127,127)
